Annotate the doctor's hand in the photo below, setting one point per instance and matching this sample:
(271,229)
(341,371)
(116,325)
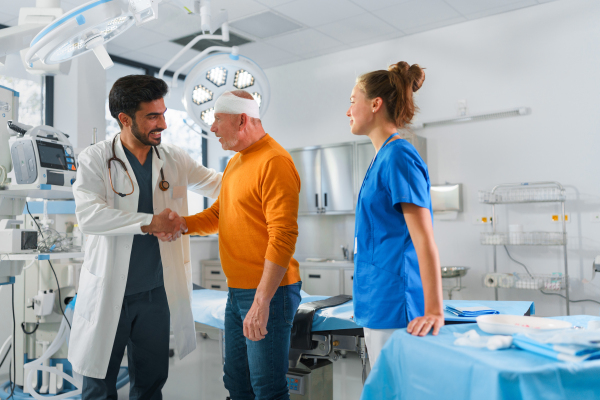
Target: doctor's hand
(172,236)
(421,326)
(163,225)
(255,322)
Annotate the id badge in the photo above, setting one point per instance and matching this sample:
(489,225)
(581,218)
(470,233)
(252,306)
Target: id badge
(355,245)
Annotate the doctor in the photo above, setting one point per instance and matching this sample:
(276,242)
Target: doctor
(132,286)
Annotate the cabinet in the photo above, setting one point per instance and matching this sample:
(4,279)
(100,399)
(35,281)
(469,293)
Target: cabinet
(327,176)
(213,276)
(348,281)
(327,278)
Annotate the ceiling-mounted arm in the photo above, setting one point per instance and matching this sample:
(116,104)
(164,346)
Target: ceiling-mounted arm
(207,24)
(233,50)
(188,46)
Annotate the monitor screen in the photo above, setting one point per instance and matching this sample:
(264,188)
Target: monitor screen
(52,155)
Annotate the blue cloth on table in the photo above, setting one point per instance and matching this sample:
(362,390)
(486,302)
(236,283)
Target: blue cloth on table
(432,367)
(503,307)
(208,307)
(474,310)
(571,345)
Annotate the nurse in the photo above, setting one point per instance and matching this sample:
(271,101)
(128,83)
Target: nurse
(397,277)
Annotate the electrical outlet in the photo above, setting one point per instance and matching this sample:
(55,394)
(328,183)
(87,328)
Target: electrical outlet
(595,218)
(483,220)
(557,218)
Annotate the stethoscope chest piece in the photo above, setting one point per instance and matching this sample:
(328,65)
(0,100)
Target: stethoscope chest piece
(164,186)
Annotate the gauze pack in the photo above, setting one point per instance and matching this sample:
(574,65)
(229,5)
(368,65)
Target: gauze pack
(229,103)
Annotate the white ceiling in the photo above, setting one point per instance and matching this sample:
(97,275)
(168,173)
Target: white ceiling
(325,26)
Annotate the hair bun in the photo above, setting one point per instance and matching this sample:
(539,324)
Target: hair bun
(412,74)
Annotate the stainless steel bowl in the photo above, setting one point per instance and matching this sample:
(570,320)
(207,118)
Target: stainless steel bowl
(454,272)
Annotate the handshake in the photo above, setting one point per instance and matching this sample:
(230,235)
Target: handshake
(167,226)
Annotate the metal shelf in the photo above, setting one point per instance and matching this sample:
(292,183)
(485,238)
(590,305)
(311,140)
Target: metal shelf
(42,256)
(43,191)
(523,238)
(550,282)
(524,193)
(529,192)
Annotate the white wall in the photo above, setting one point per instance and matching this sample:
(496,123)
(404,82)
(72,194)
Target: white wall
(543,57)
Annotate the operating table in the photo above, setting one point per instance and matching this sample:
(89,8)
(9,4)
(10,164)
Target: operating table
(327,336)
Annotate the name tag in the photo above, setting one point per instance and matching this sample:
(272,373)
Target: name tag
(178,192)
(355,244)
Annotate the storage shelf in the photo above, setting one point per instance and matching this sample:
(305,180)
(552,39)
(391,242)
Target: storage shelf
(523,238)
(43,256)
(48,192)
(523,195)
(550,282)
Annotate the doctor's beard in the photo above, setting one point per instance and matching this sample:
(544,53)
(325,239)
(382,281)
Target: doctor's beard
(144,138)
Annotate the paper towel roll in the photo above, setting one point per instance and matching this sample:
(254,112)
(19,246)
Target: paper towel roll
(491,280)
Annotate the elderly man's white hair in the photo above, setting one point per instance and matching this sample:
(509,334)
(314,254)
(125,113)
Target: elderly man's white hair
(234,103)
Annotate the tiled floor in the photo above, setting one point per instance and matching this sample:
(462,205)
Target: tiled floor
(199,376)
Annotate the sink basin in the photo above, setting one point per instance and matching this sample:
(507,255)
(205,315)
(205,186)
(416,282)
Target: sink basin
(327,260)
(454,272)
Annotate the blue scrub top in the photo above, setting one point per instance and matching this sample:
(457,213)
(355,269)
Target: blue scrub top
(388,292)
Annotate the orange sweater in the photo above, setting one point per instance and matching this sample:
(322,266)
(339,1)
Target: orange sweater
(256,215)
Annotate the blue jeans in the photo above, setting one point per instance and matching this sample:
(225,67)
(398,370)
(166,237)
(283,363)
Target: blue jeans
(256,370)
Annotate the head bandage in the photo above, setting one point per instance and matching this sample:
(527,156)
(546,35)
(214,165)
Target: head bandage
(229,103)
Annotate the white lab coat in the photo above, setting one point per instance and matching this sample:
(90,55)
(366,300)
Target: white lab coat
(111,221)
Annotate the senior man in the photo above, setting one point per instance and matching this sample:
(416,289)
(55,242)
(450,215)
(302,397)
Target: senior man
(132,287)
(256,218)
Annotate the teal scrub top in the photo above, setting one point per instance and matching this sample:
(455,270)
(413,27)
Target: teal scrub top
(387,287)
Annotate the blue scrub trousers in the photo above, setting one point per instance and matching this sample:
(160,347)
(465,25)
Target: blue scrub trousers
(257,370)
(144,328)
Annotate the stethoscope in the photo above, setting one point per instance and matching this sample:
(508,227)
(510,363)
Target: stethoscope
(163,184)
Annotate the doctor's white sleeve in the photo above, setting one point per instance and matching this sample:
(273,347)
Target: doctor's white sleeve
(94,215)
(202,180)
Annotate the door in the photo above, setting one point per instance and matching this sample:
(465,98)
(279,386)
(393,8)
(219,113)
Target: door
(337,186)
(308,165)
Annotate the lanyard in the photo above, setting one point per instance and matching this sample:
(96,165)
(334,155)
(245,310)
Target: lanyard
(373,162)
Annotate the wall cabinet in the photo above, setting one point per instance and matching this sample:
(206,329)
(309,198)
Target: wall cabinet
(327,176)
(332,175)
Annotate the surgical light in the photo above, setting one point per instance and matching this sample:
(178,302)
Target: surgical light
(243,79)
(85,28)
(217,75)
(208,116)
(201,95)
(248,74)
(257,97)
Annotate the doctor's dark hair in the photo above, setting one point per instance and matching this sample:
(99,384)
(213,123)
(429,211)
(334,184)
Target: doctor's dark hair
(129,91)
(395,87)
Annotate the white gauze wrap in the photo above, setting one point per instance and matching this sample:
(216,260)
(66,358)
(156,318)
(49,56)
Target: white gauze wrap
(229,103)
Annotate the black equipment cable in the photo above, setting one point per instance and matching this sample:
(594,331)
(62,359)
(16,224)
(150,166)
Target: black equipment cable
(37,324)
(13,362)
(5,355)
(53,271)
(39,229)
(549,294)
(59,296)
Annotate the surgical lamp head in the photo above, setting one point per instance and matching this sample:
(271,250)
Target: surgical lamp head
(220,73)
